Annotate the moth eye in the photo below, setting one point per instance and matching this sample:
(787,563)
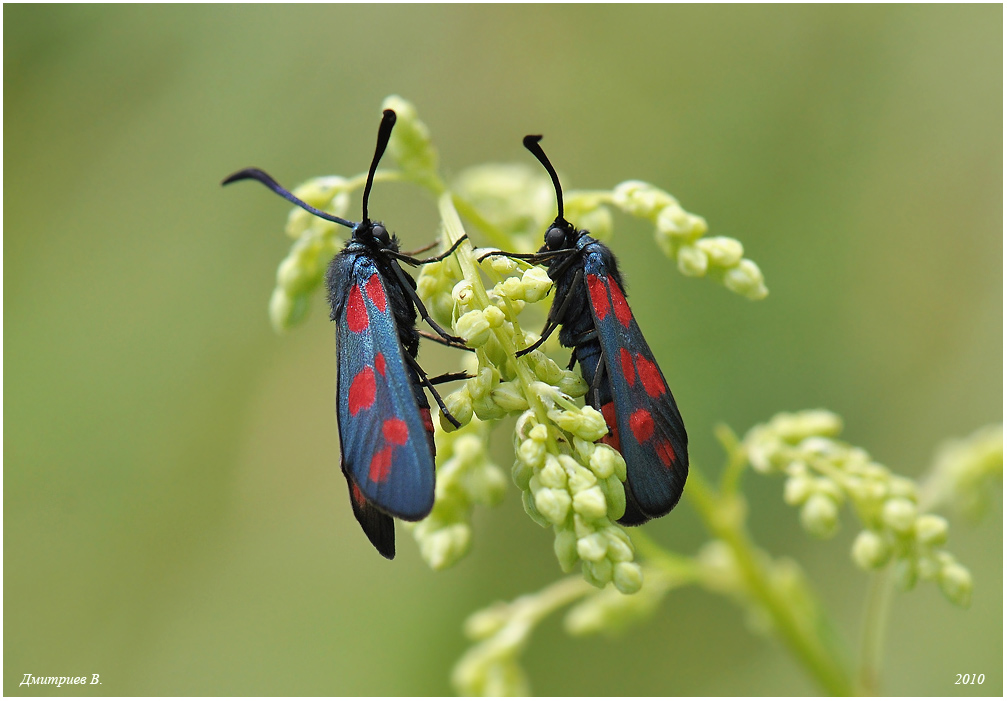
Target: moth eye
(380,233)
(554,238)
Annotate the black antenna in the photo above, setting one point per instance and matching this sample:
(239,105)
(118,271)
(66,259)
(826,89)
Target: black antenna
(267,180)
(531,143)
(384,134)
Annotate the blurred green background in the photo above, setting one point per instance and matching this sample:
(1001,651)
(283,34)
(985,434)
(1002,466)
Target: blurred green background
(174,519)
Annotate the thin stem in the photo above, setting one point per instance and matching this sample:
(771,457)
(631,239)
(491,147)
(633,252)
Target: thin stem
(872,639)
(467,263)
(816,653)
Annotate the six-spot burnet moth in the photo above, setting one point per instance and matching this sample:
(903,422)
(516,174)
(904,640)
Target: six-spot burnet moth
(385,428)
(625,382)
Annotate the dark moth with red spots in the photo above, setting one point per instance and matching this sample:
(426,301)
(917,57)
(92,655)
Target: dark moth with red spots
(385,428)
(625,382)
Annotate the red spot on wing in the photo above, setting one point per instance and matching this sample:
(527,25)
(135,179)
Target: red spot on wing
(641,423)
(358,496)
(612,439)
(665,452)
(650,376)
(599,297)
(376,292)
(626,360)
(396,431)
(379,363)
(356,312)
(361,395)
(428,425)
(428,422)
(381,464)
(622,311)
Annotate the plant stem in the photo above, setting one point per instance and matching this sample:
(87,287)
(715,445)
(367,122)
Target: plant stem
(817,653)
(873,634)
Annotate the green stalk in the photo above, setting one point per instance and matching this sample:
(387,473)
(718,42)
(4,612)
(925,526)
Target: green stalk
(815,653)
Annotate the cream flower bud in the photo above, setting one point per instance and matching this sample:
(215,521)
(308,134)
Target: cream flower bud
(572,384)
(410,143)
(590,503)
(615,496)
(473,327)
(628,577)
(620,548)
(462,293)
(746,280)
(482,624)
(565,547)
(511,288)
(931,530)
(722,251)
(286,310)
(956,583)
(899,514)
(552,474)
(796,490)
(820,516)
(502,265)
(536,284)
(495,317)
(553,504)
(592,548)
(459,405)
(531,453)
(598,573)
(508,396)
(870,550)
(692,261)
(675,223)
(641,199)
(445,547)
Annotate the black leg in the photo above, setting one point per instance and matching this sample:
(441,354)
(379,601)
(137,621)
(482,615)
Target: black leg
(538,257)
(418,261)
(556,317)
(405,281)
(420,250)
(443,342)
(430,386)
(450,377)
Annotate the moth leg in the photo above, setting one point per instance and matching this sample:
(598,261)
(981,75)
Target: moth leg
(420,250)
(405,281)
(443,342)
(450,377)
(554,317)
(406,258)
(430,386)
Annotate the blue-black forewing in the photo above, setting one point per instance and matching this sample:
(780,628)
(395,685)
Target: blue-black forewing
(377,525)
(649,428)
(383,431)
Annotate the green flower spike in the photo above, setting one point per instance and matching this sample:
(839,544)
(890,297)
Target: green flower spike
(823,473)
(574,485)
(466,477)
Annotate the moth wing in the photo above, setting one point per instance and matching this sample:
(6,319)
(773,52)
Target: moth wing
(651,434)
(386,452)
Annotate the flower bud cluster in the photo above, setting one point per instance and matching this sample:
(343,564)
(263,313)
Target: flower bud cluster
(516,199)
(434,285)
(466,477)
(578,493)
(682,237)
(823,473)
(965,471)
(410,143)
(316,241)
(608,611)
